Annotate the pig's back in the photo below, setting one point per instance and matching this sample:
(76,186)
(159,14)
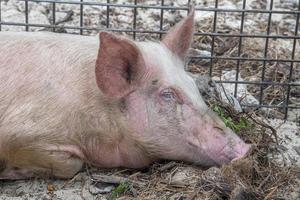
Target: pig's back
(42,76)
(40,54)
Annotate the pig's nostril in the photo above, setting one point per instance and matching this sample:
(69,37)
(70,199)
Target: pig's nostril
(221,129)
(216,127)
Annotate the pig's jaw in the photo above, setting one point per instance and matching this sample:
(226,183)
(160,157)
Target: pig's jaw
(122,154)
(216,152)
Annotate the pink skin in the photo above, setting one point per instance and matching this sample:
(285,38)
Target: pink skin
(201,138)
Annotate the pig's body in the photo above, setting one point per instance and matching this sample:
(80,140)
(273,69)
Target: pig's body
(44,98)
(65,101)
(50,99)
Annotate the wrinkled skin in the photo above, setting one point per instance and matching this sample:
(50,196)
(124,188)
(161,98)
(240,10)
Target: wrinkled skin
(66,100)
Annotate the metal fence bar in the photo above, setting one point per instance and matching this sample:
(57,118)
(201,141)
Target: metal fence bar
(154,32)
(291,66)
(269,106)
(134,19)
(168,7)
(107,14)
(265,53)
(259,83)
(245,59)
(213,38)
(0,16)
(53,15)
(239,49)
(26,16)
(248,35)
(81,18)
(161,18)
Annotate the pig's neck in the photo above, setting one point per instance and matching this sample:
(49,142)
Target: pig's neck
(106,140)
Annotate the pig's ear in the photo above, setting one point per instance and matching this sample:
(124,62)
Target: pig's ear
(119,65)
(179,38)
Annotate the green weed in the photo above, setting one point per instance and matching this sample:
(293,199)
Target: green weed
(118,191)
(235,125)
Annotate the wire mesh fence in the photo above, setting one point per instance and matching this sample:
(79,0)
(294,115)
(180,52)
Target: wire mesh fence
(258,40)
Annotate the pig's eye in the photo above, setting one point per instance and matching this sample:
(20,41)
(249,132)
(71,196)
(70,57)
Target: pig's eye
(168,95)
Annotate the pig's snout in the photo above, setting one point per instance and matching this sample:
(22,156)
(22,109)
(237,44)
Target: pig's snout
(219,144)
(224,147)
(243,150)
(234,151)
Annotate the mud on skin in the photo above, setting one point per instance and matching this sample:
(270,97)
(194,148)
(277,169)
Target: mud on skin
(108,101)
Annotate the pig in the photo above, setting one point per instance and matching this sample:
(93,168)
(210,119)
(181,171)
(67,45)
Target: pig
(67,100)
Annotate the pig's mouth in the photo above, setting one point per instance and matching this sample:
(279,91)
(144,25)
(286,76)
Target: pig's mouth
(228,153)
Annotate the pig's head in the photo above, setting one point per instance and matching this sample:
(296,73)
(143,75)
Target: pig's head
(160,101)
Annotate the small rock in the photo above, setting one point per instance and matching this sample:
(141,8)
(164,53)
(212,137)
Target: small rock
(185,176)
(297,149)
(197,53)
(50,187)
(36,17)
(294,195)
(213,174)
(243,94)
(213,180)
(241,193)
(20,191)
(101,188)
(205,85)
(177,196)
(59,16)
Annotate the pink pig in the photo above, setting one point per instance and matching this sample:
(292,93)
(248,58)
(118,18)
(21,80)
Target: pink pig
(66,100)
